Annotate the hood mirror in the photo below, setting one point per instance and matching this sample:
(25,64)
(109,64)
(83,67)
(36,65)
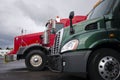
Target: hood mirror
(71,16)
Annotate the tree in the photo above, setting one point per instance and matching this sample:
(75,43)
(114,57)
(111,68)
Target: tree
(7,48)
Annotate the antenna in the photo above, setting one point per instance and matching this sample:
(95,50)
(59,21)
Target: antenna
(22,31)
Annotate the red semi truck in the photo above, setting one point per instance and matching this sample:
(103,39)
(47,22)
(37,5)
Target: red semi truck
(35,47)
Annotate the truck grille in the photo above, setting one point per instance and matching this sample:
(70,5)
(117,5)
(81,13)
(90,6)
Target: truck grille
(56,46)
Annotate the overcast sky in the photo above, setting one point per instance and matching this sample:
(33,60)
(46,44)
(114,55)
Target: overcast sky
(31,15)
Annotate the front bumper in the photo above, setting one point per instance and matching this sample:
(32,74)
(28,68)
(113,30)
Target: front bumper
(10,58)
(55,63)
(13,55)
(72,61)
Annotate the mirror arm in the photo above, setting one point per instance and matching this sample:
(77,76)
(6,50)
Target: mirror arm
(72,31)
(71,16)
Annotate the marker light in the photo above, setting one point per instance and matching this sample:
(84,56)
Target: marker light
(57,18)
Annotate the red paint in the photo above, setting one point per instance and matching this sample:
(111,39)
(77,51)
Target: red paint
(34,38)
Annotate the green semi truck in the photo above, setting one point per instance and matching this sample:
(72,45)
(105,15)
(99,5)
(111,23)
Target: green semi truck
(91,47)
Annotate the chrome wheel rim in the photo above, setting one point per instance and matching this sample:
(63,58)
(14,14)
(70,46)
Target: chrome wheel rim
(36,60)
(109,68)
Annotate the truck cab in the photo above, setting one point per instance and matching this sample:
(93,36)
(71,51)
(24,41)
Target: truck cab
(91,47)
(35,47)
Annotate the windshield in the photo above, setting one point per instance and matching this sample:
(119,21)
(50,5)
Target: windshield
(102,9)
(59,26)
(54,29)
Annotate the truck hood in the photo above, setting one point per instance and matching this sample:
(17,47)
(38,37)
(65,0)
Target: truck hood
(79,29)
(29,38)
(25,40)
(29,35)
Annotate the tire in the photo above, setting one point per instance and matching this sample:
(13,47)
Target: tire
(104,64)
(35,60)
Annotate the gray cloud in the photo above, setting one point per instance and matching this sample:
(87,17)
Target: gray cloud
(38,13)
(31,15)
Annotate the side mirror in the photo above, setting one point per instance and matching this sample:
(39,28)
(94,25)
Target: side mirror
(71,16)
(46,24)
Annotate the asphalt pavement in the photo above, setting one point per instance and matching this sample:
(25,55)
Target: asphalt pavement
(18,71)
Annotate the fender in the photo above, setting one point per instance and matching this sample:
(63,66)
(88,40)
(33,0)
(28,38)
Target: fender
(104,41)
(25,49)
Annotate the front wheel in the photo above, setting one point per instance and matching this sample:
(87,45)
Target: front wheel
(35,60)
(104,65)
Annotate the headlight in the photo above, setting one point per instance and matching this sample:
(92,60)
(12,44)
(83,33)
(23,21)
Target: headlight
(71,45)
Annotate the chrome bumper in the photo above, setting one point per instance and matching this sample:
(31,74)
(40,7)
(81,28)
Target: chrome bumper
(10,58)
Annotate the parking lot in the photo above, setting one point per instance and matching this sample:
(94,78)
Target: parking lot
(17,71)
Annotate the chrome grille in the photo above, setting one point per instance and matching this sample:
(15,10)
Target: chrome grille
(56,46)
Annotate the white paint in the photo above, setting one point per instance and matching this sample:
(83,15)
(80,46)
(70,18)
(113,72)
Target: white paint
(3,52)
